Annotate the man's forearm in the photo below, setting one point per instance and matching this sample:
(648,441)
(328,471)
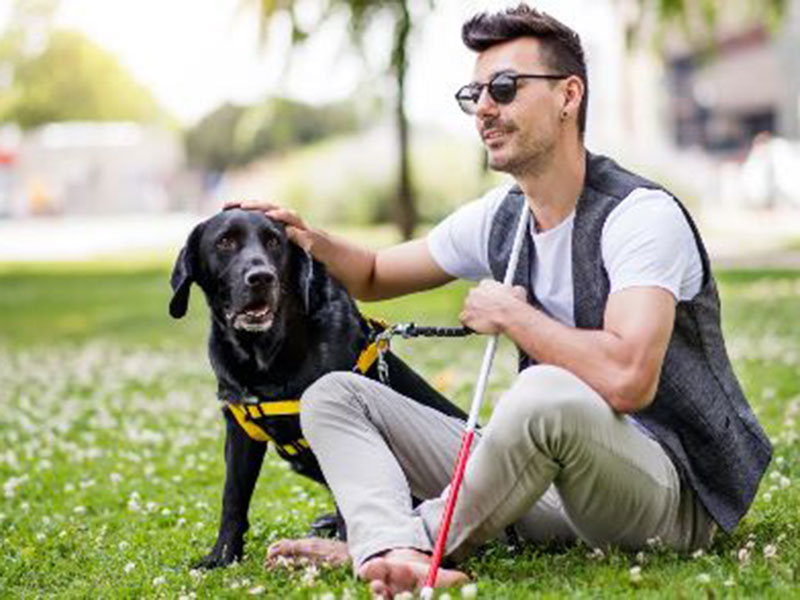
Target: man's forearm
(598,357)
(352,265)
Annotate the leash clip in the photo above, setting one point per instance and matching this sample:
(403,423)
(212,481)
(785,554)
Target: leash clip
(382,345)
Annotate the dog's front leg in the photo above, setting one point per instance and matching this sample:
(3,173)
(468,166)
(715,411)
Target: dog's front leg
(243,459)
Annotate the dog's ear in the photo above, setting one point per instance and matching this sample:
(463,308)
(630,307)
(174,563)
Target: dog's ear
(303,274)
(184,273)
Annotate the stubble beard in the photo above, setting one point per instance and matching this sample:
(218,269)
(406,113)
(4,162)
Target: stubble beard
(526,156)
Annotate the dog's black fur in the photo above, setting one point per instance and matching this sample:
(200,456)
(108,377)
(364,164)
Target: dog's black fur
(278,323)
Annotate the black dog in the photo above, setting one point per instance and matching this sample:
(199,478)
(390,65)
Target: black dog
(278,323)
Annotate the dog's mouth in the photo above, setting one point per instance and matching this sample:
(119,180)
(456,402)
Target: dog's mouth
(257,316)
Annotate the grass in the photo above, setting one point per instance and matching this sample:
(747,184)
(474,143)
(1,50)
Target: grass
(111,451)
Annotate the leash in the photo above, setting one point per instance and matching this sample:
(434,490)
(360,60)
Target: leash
(469,430)
(406,331)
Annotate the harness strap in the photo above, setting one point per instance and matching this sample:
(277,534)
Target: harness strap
(253,430)
(244,413)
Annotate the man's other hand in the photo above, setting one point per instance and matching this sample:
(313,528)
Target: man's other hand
(487,305)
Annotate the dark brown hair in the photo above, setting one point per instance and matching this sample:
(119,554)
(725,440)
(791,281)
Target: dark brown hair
(561,46)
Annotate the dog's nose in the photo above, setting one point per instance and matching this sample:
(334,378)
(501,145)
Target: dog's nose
(259,277)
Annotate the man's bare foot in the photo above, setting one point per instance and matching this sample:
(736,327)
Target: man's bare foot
(318,551)
(404,570)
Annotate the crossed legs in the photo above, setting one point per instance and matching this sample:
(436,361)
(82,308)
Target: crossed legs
(554,460)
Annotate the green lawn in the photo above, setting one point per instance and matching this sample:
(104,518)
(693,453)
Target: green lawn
(111,451)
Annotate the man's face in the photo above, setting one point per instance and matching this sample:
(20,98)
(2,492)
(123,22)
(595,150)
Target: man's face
(520,136)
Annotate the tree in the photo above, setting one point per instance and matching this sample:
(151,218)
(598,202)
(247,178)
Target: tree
(698,19)
(75,79)
(235,135)
(49,75)
(362,13)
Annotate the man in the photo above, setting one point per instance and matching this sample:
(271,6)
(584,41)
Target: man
(626,422)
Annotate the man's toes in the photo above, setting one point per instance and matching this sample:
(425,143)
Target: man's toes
(373,570)
(378,589)
(281,552)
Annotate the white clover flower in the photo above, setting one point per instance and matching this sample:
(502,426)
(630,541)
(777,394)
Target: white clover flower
(123,545)
(743,555)
(180,522)
(729,582)
(635,574)
(469,591)
(40,537)
(165,512)
(329,596)
(704,578)
(443,596)
(256,591)
(767,497)
(133,505)
(79,510)
(160,580)
(69,488)
(115,478)
(598,554)
(784,482)
(699,553)
(641,558)
(129,567)
(25,506)
(653,542)
(770,551)
(196,573)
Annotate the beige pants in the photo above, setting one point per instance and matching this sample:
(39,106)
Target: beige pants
(555,461)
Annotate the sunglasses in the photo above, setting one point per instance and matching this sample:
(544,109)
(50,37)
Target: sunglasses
(502,89)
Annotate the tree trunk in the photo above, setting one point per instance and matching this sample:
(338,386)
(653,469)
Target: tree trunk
(405,212)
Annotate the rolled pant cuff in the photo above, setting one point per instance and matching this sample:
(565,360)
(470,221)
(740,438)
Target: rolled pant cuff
(381,545)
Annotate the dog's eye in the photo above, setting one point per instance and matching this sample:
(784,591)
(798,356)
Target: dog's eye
(273,243)
(226,243)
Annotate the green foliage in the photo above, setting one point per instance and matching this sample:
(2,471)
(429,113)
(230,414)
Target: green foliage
(235,135)
(111,452)
(72,78)
(699,20)
(361,14)
(351,179)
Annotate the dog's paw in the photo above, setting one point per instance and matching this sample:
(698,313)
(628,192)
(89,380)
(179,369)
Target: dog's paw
(329,525)
(221,556)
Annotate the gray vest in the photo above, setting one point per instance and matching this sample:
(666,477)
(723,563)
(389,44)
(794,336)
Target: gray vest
(699,415)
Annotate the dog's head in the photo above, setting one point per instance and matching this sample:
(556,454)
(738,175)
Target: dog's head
(246,266)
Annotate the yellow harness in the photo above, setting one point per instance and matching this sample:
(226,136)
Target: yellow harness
(247,414)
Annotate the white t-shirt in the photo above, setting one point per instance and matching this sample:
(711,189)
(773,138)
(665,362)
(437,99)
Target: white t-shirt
(646,241)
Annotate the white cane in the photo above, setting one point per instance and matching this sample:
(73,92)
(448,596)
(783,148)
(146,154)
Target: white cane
(469,431)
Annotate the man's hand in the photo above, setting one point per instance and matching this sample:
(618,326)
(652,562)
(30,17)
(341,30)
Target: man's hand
(367,275)
(296,229)
(487,305)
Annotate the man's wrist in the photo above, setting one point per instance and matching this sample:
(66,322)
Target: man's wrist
(510,313)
